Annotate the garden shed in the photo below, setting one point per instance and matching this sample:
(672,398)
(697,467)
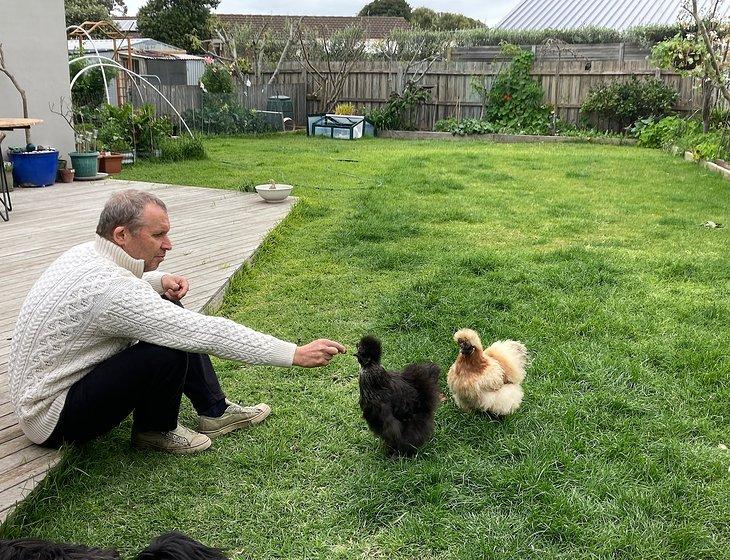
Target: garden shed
(160,63)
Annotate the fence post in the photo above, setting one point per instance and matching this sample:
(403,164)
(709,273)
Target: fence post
(621,50)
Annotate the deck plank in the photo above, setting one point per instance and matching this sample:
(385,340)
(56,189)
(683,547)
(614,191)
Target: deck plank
(214,231)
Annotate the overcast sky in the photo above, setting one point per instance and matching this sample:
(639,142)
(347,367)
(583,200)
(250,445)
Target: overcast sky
(489,11)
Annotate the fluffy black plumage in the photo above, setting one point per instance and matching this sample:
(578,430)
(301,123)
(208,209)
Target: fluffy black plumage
(398,406)
(170,546)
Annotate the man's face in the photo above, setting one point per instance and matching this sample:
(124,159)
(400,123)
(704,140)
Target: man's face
(150,242)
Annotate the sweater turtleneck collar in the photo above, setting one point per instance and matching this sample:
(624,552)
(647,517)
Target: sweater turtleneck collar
(116,254)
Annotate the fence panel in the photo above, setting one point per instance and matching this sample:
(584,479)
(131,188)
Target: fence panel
(370,83)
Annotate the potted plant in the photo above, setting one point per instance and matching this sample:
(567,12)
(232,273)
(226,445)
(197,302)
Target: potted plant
(85,160)
(67,174)
(32,167)
(110,162)
(112,155)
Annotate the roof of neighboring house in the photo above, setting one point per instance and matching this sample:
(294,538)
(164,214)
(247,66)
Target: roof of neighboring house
(613,14)
(375,27)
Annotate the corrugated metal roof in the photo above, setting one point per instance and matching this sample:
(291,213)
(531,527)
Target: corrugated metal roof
(138,44)
(126,23)
(613,14)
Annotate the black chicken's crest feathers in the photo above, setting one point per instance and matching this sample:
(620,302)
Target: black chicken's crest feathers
(369,350)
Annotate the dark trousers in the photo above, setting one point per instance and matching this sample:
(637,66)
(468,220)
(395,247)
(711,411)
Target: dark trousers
(144,379)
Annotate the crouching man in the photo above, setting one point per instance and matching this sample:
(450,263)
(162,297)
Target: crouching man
(95,341)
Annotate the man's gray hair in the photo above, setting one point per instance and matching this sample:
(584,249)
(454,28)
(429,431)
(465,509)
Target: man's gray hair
(124,209)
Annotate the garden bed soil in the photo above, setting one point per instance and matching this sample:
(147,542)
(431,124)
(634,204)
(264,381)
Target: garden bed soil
(504,138)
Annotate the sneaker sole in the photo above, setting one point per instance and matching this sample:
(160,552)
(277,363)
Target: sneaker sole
(238,425)
(174,450)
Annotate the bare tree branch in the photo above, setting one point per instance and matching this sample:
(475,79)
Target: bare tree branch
(21,91)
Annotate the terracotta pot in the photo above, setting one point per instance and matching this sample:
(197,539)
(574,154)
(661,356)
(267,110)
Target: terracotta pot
(110,163)
(67,175)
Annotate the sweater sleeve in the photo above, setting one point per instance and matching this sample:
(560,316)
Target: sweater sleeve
(132,310)
(154,279)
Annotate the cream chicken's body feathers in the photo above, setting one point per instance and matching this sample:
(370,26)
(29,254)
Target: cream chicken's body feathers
(488,380)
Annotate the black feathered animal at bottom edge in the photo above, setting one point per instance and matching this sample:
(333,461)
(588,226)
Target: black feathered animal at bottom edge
(170,546)
(398,406)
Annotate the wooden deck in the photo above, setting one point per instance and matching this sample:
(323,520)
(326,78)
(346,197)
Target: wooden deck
(213,233)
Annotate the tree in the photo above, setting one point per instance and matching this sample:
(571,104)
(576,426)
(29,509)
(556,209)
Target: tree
(414,51)
(447,21)
(387,8)
(79,11)
(183,23)
(699,50)
(329,58)
(425,18)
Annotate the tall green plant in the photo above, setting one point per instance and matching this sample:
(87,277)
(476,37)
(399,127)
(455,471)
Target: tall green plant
(217,79)
(515,100)
(401,110)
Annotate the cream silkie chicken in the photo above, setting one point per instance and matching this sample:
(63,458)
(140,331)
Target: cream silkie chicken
(487,380)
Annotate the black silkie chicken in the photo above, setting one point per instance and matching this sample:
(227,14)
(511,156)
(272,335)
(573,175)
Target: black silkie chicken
(398,406)
(170,546)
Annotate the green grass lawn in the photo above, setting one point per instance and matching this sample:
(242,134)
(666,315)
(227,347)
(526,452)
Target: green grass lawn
(592,255)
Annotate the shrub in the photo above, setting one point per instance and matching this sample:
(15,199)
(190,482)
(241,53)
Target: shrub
(466,126)
(88,90)
(679,53)
(515,100)
(217,79)
(401,110)
(121,128)
(182,148)
(622,103)
(652,133)
(222,114)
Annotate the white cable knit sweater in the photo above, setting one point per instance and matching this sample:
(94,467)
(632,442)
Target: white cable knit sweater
(93,302)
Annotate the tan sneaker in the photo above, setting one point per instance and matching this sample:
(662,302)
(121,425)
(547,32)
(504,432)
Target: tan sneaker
(235,417)
(179,440)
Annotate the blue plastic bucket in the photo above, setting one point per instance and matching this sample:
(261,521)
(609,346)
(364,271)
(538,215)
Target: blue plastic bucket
(34,169)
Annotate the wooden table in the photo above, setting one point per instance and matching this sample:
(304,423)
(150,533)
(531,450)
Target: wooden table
(9,123)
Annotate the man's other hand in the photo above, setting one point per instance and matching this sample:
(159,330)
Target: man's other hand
(317,353)
(175,286)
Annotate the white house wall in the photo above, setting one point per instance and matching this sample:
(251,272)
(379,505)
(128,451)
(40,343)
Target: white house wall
(33,37)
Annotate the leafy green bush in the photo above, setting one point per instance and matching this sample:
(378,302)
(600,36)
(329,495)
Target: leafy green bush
(680,53)
(466,126)
(222,114)
(217,79)
(182,148)
(652,133)
(515,100)
(400,112)
(623,103)
(88,90)
(121,128)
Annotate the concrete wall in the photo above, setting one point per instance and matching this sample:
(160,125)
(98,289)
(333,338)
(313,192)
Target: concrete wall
(33,36)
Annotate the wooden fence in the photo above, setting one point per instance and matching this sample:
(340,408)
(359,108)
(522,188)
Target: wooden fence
(581,52)
(566,85)
(191,98)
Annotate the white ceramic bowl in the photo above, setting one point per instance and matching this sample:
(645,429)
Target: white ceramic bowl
(277,194)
